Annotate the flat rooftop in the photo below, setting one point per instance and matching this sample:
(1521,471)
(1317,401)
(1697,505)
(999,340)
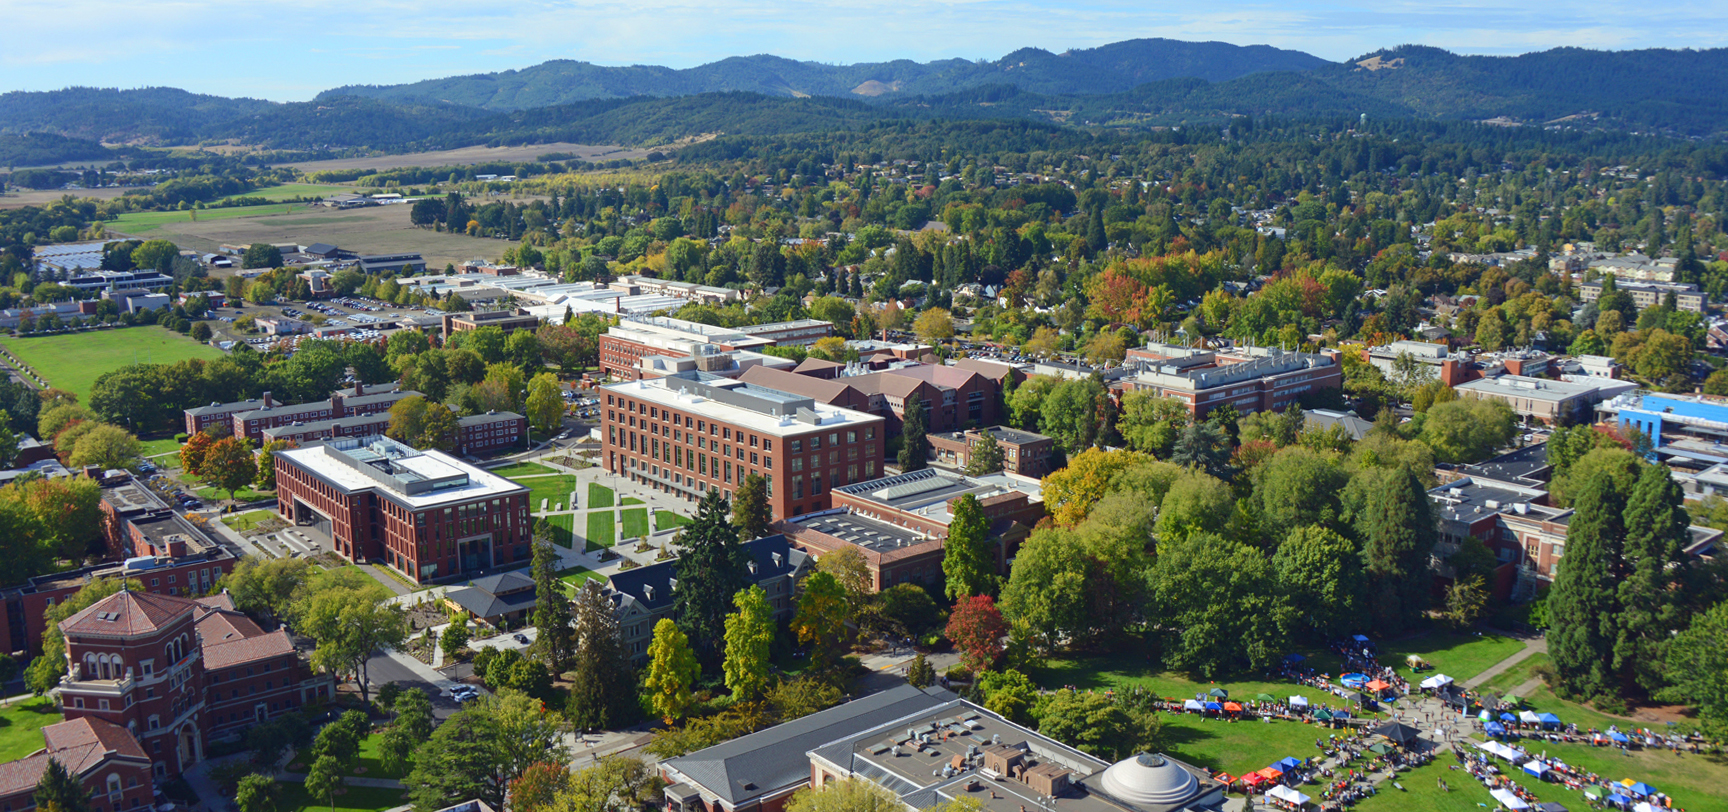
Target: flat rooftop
(1519,386)
(1527,465)
(927,492)
(416,479)
(872,535)
(1468,500)
(752,408)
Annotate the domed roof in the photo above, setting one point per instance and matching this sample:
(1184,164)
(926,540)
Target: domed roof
(1150,780)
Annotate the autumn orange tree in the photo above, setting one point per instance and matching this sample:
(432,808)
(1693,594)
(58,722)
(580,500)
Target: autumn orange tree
(976,626)
(229,465)
(193,452)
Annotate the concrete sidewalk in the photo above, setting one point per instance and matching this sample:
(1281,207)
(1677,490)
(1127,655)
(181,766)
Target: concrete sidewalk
(1533,646)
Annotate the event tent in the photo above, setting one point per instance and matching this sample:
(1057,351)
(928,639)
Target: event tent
(1265,698)
(1508,800)
(1618,736)
(1287,795)
(1378,685)
(1507,717)
(1232,707)
(1529,716)
(1323,715)
(1218,692)
(1640,789)
(1536,768)
(1287,763)
(1436,681)
(1550,806)
(1548,718)
(1645,806)
(1192,704)
(1299,701)
(1619,800)
(1213,706)
(1494,729)
(1396,732)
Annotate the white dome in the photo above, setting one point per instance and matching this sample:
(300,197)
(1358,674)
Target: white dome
(1150,780)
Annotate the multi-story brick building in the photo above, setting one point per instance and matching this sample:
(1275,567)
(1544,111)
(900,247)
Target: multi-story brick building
(203,417)
(507,320)
(1687,296)
(489,432)
(692,432)
(799,333)
(633,338)
(953,398)
(900,522)
(354,402)
(301,433)
(1251,380)
(1023,452)
(174,671)
(426,514)
(103,757)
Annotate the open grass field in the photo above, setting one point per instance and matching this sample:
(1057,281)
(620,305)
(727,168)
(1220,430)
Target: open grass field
(1457,655)
(521,469)
(292,797)
(73,361)
(290,191)
(19,726)
(373,230)
(372,759)
(555,490)
(666,519)
(635,522)
(602,528)
(1236,747)
(243,522)
(160,446)
(599,496)
(146,222)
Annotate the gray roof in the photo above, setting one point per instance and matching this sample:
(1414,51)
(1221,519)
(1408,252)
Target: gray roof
(489,417)
(633,585)
(226,408)
(775,759)
(1354,426)
(373,419)
(504,582)
(1015,436)
(486,604)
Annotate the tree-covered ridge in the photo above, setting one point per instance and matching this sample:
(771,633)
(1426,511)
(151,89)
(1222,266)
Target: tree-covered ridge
(1110,68)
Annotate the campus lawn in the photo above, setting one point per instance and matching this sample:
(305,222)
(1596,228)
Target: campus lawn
(73,361)
(1459,655)
(635,523)
(555,490)
(1237,747)
(521,469)
(564,524)
(243,522)
(158,447)
(1126,670)
(1422,792)
(372,759)
(292,797)
(666,519)
(574,577)
(19,723)
(630,500)
(1521,672)
(144,222)
(601,529)
(599,496)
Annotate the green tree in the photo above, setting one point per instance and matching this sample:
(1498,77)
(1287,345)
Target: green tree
(1195,503)
(749,638)
(1008,694)
(456,637)
(969,553)
(986,456)
(1070,414)
(1206,589)
(1653,576)
(266,463)
(348,624)
(920,673)
(261,255)
(750,511)
(714,567)
(61,791)
(1087,720)
(1321,572)
(1297,487)
(1696,663)
(256,793)
(1394,518)
(1149,423)
(844,795)
(672,672)
(603,689)
(1203,446)
(487,341)
(482,749)
(324,778)
(1582,605)
(556,640)
(820,622)
(266,587)
(229,465)
(440,430)
(545,401)
(412,726)
(106,446)
(914,442)
(1468,430)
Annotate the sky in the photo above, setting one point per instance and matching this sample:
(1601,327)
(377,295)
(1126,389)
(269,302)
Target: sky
(289,50)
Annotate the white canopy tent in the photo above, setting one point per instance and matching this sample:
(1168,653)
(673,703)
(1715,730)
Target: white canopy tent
(1299,701)
(1436,681)
(1287,795)
(1508,800)
(1530,717)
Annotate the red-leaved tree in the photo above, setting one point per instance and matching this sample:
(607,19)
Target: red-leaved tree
(977,628)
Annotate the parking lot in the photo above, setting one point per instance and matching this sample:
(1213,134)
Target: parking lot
(368,319)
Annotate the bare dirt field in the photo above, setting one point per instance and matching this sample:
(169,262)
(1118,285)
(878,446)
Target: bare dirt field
(379,230)
(38,197)
(473,155)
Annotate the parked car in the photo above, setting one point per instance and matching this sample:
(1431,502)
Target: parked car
(520,638)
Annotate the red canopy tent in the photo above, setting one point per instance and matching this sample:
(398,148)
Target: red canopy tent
(1254,779)
(1379,685)
(1232,707)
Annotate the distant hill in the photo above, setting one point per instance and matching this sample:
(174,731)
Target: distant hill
(152,114)
(1106,69)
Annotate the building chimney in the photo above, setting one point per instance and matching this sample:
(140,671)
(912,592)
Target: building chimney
(359,388)
(268,403)
(449,324)
(336,405)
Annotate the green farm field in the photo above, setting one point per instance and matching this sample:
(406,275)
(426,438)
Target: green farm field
(144,222)
(290,191)
(73,361)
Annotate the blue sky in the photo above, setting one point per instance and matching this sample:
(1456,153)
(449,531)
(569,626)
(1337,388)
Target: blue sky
(288,50)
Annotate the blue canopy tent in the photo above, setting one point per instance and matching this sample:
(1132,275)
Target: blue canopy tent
(1213,706)
(1507,717)
(1618,736)
(1642,789)
(1549,719)
(1289,763)
(1535,768)
(1360,638)
(1294,658)
(1619,800)
(1340,714)
(1494,729)
(1354,680)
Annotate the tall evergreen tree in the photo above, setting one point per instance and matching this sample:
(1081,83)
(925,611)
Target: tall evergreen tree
(61,791)
(714,567)
(1582,604)
(968,555)
(1396,525)
(914,445)
(750,512)
(1655,565)
(556,640)
(603,691)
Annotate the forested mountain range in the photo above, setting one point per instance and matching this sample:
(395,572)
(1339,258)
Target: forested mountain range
(1107,69)
(1139,83)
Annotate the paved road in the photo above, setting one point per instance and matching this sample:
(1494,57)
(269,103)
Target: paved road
(383,668)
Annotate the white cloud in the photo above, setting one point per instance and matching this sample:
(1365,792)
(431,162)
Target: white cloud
(292,48)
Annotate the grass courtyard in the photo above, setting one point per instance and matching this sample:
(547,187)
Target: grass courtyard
(1459,655)
(1521,672)
(211,493)
(159,446)
(243,522)
(293,797)
(666,520)
(635,523)
(564,524)
(599,496)
(521,469)
(576,576)
(555,490)
(20,726)
(602,529)
(73,361)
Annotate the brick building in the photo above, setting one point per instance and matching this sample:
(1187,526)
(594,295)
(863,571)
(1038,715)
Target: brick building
(692,432)
(953,398)
(103,757)
(507,320)
(426,514)
(302,433)
(1253,379)
(203,417)
(633,338)
(172,672)
(354,402)
(1023,452)
(489,432)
